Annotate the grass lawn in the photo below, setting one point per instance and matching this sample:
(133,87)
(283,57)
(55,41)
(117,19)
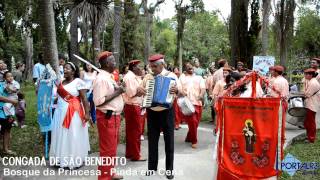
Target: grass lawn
(305,152)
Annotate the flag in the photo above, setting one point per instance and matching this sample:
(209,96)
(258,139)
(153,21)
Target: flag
(250,138)
(45,106)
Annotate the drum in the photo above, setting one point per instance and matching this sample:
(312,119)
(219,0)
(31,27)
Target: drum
(186,106)
(296,121)
(297,106)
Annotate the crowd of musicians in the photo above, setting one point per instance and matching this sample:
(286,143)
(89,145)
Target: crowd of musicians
(104,97)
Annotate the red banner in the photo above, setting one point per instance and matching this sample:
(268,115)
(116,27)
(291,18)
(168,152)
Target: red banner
(249,138)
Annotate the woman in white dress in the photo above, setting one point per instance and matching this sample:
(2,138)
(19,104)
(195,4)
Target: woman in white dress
(70,138)
(88,75)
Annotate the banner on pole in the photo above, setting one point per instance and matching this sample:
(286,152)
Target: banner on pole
(250,138)
(262,64)
(44,106)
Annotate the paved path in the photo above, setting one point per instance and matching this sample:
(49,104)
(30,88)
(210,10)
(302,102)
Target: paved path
(190,164)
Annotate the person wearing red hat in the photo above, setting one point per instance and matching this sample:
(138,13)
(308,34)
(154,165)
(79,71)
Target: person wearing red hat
(279,83)
(160,119)
(312,94)
(109,105)
(193,87)
(315,63)
(132,110)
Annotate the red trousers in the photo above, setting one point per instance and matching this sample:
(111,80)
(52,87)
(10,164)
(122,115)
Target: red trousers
(310,125)
(177,114)
(193,123)
(133,117)
(108,130)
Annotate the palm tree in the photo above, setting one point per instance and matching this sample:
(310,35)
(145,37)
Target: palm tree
(95,12)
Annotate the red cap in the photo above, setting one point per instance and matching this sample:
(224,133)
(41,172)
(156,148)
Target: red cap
(316,59)
(103,55)
(279,68)
(156,57)
(310,70)
(134,62)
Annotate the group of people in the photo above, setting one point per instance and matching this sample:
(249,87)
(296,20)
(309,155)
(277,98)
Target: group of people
(83,97)
(12,103)
(86,96)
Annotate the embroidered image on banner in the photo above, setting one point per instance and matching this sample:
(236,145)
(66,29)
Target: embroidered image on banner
(44,106)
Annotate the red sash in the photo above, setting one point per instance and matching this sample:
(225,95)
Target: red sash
(74,105)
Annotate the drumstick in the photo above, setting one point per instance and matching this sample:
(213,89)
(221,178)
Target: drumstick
(81,59)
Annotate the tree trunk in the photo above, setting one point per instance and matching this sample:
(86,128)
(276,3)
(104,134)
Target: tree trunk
(285,22)
(84,32)
(117,31)
(129,33)
(74,47)
(28,42)
(48,31)
(147,35)
(265,23)
(181,19)
(180,55)
(95,43)
(239,31)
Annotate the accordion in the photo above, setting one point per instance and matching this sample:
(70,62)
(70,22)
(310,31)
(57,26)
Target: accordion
(158,93)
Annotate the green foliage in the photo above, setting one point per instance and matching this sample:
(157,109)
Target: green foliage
(307,38)
(206,38)
(61,23)
(164,38)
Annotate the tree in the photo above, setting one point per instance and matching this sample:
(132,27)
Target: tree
(253,33)
(130,33)
(28,40)
(97,13)
(48,31)
(284,20)
(266,7)
(165,43)
(184,12)
(207,38)
(239,30)
(74,46)
(148,13)
(307,37)
(117,30)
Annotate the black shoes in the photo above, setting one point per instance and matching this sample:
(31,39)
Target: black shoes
(170,176)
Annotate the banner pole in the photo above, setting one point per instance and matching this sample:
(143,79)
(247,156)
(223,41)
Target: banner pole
(46,146)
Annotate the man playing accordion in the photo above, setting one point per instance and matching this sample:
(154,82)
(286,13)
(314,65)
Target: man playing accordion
(160,119)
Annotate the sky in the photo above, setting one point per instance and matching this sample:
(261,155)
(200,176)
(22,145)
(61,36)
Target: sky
(167,10)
